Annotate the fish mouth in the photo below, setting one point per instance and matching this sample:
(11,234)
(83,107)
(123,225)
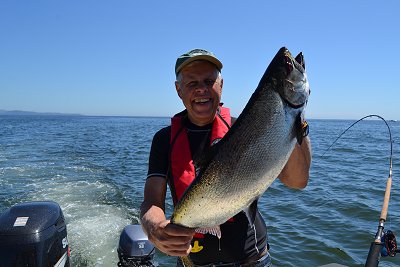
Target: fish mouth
(296,88)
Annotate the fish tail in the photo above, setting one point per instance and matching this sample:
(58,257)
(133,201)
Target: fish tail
(186,262)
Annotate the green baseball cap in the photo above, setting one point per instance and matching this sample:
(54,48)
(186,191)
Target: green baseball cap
(196,54)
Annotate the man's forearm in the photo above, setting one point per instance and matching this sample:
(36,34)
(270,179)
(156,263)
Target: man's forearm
(150,217)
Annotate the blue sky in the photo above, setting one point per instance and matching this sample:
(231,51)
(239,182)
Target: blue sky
(99,57)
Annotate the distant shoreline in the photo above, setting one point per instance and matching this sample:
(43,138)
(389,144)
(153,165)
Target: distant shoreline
(33,113)
(21,112)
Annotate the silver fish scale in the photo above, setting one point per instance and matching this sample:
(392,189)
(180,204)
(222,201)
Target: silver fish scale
(247,160)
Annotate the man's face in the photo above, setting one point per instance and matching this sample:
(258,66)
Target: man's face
(200,88)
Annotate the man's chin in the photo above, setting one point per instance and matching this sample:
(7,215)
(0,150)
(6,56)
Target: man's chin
(202,118)
(204,108)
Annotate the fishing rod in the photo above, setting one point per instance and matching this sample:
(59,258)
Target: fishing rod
(384,243)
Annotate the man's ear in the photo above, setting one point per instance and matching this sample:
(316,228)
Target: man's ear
(178,89)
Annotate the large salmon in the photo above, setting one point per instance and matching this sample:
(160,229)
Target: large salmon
(242,165)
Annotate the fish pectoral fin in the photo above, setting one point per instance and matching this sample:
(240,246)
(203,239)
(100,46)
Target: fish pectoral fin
(216,231)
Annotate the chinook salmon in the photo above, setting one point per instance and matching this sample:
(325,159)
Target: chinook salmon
(244,163)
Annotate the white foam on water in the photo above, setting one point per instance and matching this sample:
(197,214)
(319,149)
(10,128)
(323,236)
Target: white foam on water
(94,234)
(94,220)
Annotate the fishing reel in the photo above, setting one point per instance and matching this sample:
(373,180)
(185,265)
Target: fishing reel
(385,244)
(389,244)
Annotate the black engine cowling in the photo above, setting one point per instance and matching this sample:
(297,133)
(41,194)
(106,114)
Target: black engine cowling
(34,234)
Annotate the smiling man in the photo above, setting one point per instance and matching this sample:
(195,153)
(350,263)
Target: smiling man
(173,152)
(199,85)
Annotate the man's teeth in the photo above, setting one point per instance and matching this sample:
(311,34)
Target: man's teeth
(201,100)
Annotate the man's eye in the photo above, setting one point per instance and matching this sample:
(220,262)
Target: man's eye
(192,84)
(209,82)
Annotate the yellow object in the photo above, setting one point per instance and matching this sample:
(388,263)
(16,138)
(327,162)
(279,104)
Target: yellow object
(196,247)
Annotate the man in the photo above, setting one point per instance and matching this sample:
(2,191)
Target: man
(199,85)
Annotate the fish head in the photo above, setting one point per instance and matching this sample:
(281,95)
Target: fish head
(289,76)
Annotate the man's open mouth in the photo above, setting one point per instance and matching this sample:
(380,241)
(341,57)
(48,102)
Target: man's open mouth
(202,100)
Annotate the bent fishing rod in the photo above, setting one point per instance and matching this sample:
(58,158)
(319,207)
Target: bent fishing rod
(384,243)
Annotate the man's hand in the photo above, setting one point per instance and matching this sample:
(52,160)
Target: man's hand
(296,172)
(169,238)
(172,239)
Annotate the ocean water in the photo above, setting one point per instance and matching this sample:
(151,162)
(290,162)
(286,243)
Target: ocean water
(95,168)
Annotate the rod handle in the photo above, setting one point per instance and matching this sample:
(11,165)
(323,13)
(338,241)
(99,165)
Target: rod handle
(386,199)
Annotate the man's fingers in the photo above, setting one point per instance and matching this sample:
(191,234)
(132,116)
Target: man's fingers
(176,249)
(176,230)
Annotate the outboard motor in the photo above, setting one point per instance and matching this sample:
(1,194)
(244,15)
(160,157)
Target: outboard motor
(134,249)
(34,234)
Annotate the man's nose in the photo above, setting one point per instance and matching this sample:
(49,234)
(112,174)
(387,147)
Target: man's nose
(202,86)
